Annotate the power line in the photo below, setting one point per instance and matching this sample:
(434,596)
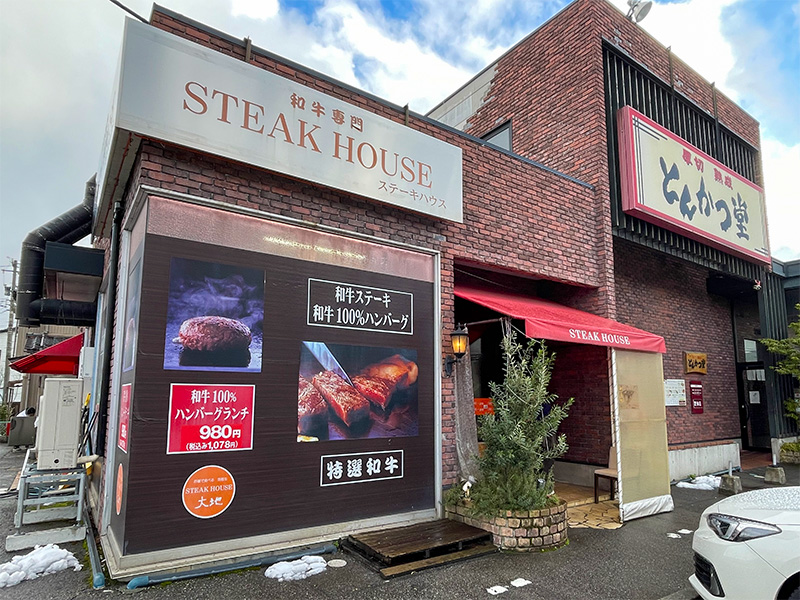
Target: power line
(129,11)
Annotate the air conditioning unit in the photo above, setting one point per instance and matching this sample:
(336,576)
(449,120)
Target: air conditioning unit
(58,432)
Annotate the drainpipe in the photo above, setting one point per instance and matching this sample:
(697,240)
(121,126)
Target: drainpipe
(66,228)
(717,133)
(110,305)
(673,124)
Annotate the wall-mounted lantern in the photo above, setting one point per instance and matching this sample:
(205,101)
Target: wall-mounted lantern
(459,339)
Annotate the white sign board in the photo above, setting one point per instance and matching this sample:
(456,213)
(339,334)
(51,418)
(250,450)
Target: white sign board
(667,181)
(174,90)
(675,392)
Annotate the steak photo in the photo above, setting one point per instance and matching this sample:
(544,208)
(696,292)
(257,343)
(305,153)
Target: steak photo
(312,410)
(398,372)
(350,406)
(375,390)
(370,392)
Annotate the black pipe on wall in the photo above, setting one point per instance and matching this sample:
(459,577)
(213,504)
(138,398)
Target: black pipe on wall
(65,312)
(66,228)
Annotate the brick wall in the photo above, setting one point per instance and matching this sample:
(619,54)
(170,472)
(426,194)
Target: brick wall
(517,216)
(646,50)
(748,325)
(551,86)
(97,480)
(667,296)
(581,372)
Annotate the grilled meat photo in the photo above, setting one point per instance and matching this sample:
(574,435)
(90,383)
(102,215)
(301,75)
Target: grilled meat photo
(343,399)
(373,389)
(312,410)
(214,334)
(396,371)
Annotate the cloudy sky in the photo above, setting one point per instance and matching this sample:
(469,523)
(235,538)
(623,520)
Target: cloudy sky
(57,62)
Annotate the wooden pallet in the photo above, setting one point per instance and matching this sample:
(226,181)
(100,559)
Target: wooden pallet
(15,483)
(401,550)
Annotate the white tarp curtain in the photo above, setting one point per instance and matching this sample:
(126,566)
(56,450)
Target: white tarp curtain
(641,432)
(465,427)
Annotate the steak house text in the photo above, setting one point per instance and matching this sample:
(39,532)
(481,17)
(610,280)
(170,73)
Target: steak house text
(209,488)
(251,116)
(606,338)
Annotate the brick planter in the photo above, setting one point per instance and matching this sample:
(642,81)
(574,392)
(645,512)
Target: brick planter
(790,458)
(524,531)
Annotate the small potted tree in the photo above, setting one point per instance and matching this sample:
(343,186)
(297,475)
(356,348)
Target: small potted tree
(514,496)
(789,348)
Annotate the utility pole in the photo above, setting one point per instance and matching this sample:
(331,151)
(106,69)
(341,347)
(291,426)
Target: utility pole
(12,306)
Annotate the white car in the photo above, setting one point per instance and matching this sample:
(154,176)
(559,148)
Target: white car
(748,546)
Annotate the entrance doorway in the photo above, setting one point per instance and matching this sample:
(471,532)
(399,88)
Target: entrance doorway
(753,412)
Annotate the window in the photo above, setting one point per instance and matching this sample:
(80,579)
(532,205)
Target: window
(500,136)
(39,341)
(750,351)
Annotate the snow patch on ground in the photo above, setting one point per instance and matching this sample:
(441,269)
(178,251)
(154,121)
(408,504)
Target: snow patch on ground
(704,482)
(42,560)
(296,569)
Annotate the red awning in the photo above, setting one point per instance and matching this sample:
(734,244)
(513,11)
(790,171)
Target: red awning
(59,359)
(550,321)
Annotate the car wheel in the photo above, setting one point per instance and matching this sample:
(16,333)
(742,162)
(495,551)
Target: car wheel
(795,595)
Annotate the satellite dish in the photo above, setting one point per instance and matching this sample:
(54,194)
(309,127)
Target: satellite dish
(639,9)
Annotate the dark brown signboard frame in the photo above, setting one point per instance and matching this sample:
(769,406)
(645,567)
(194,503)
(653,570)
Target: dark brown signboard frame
(278,482)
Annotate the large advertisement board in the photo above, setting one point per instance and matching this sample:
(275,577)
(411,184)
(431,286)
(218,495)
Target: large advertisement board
(208,101)
(230,446)
(667,181)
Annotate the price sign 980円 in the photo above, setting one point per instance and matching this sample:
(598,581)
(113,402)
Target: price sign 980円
(210,418)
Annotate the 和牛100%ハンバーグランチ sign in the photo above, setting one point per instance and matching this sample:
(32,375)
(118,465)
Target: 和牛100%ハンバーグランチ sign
(210,418)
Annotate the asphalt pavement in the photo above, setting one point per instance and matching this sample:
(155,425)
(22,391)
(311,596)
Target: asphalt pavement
(638,561)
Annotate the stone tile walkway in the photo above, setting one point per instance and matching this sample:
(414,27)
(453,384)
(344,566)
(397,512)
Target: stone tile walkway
(603,515)
(576,495)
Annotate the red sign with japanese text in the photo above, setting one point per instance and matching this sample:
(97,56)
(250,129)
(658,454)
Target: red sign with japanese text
(696,395)
(124,417)
(210,418)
